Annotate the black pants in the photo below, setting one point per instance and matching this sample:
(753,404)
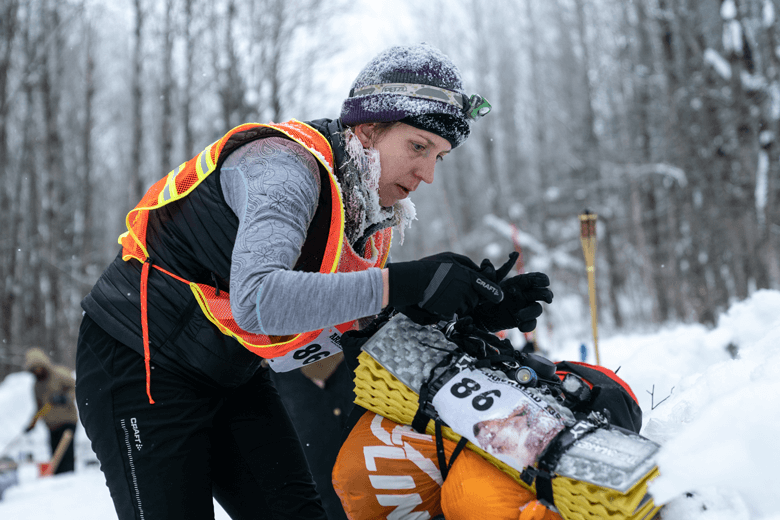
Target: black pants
(55,435)
(320,416)
(166,460)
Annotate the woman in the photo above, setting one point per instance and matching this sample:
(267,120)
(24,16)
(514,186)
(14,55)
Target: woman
(269,244)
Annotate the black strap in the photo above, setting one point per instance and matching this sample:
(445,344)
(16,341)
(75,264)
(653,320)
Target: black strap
(421,418)
(543,479)
(216,284)
(490,361)
(420,421)
(544,490)
(444,466)
(552,454)
(440,454)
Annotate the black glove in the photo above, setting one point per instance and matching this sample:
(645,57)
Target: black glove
(520,306)
(438,286)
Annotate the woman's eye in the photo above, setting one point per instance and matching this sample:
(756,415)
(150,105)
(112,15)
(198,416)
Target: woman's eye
(440,158)
(418,147)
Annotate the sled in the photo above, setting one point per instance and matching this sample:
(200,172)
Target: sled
(585,468)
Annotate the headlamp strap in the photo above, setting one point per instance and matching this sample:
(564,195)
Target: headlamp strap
(473,107)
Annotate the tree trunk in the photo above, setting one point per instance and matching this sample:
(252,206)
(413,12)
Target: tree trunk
(744,130)
(768,179)
(53,215)
(273,58)
(539,102)
(612,274)
(86,232)
(591,153)
(136,173)
(166,93)
(8,27)
(189,78)
(495,191)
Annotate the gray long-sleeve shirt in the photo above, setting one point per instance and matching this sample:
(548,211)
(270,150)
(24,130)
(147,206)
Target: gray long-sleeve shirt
(273,185)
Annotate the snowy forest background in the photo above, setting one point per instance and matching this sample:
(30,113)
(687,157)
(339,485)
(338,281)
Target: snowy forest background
(661,116)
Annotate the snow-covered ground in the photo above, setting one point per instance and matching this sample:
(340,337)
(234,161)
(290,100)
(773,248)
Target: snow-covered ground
(717,418)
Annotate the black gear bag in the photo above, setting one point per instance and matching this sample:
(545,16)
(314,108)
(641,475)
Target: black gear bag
(608,394)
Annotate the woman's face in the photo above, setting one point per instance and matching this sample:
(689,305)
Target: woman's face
(407,155)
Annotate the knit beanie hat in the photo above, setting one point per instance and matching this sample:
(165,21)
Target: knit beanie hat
(417,85)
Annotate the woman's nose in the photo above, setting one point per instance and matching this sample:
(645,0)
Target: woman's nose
(426,172)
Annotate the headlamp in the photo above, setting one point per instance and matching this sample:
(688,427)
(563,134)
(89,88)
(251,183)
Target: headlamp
(476,107)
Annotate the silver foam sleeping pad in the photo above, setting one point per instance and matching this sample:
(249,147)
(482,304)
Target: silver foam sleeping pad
(610,458)
(407,350)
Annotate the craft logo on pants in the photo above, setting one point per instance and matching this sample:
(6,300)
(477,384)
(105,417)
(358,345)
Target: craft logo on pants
(136,433)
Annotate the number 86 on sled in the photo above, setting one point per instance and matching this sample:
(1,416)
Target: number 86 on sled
(481,402)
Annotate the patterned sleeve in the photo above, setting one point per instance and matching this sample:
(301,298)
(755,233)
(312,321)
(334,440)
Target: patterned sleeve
(273,186)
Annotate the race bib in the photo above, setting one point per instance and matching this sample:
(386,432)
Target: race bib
(325,345)
(500,416)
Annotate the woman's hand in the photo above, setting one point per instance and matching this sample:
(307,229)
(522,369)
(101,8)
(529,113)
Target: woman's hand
(520,306)
(439,286)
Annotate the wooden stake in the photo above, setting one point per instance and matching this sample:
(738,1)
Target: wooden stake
(588,239)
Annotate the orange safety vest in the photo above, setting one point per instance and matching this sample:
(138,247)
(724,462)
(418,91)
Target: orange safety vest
(215,303)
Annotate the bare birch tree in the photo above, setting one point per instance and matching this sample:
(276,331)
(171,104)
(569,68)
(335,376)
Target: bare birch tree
(136,172)
(8,27)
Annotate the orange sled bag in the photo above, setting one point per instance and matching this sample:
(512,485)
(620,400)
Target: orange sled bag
(388,470)
(475,489)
